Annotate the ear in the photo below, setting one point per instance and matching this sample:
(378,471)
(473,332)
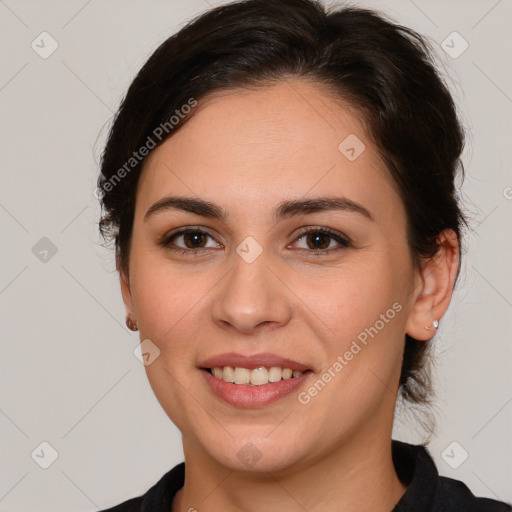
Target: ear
(126,292)
(434,287)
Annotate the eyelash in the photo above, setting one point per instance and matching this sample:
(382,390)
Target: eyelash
(342,240)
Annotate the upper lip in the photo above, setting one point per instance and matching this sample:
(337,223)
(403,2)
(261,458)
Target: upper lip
(250,362)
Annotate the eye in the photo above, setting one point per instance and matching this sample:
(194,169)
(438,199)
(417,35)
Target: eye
(314,240)
(189,240)
(321,240)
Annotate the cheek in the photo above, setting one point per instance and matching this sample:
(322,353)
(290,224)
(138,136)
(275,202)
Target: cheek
(359,315)
(171,310)
(349,299)
(170,304)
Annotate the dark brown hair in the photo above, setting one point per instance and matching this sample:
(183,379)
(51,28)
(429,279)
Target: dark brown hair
(383,70)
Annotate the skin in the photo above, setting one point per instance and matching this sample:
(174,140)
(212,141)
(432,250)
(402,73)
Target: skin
(247,151)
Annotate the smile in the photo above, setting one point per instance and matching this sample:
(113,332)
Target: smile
(254,377)
(253,380)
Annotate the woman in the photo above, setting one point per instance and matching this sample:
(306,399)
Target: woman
(279,182)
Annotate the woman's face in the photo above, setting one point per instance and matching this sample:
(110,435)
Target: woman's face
(249,287)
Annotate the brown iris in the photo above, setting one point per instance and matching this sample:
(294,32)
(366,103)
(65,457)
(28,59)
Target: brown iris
(319,240)
(194,239)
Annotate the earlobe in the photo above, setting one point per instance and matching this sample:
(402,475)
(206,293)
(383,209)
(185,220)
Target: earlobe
(435,288)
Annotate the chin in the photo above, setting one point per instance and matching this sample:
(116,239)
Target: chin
(257,454)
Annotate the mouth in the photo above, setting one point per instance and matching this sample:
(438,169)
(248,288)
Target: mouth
(255,376)
(253,381)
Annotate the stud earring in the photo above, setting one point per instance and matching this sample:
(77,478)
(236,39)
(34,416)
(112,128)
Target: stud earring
(132,326)
(435,325)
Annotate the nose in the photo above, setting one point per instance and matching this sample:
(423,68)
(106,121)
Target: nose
(251,296)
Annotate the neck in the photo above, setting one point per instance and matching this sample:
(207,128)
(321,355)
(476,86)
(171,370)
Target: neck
(358,475)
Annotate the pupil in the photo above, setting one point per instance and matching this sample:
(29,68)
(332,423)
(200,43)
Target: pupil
(193,240)
(319,241)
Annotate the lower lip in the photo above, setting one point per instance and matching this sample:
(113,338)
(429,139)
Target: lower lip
(253,396)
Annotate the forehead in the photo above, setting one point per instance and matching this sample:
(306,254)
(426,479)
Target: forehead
(292,138)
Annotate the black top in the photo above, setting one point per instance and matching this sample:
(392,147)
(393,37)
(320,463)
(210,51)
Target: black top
(426,490)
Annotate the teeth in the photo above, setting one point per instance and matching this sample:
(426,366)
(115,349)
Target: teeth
(287,373)
(274,374)
(242,376)
(217,372)
(259,376)
(255,377)
(228,374)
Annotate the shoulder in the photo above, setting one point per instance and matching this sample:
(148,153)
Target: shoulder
(428,491)
(158,497)
(454,495)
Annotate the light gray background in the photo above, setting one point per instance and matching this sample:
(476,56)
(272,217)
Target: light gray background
(69,376)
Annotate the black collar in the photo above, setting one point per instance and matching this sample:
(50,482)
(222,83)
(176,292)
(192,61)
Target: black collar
(416,470)
(426,490)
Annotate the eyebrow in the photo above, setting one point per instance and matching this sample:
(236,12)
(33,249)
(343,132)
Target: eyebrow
(285,209)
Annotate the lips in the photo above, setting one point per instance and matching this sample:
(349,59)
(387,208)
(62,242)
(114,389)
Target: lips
(252,361)
(249,395)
